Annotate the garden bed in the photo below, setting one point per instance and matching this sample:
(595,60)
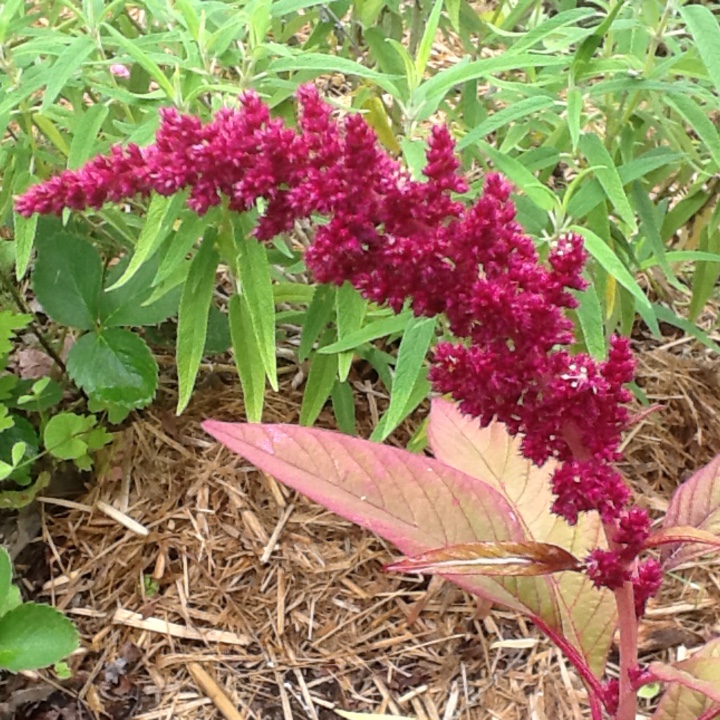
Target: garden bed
(242,590)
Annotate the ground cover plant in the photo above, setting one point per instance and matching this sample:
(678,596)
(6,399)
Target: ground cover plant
(403,241)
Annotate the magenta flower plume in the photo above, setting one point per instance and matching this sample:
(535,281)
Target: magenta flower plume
(398,241)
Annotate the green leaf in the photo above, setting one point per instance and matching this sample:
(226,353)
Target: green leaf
(590,315)
(67,279)
(408,370)
(10,322)
(8,11)
(34,636)
(65,67)
(319,64)
(504,117)
(133,303)
(521,176)
(350,309)
(651,230)
(49,129)
(16,499)
(591,146)
(575,104)
(114,366)
(699,122)
(430,93)
(193,319)
(257,290)
(9,594)
(551,25)
(217,340)
(706,273)
(43,394)
(191,229)
(85,135)
(428,38)
(600,250)
(247,358)
(149,65)
(704,28)
(343,403)
(25,229)
(371,331)
(65,435)
(319,385)
(160,215)
(318,315)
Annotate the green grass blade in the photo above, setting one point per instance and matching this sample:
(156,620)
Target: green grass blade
(590,316)
(25,229)
(193,319)
(319,385)
(703,26)
(409,370)
(247,358)
(257,289)
(319,313)
(350,309)
(163,211)
(371,331)
(591,146)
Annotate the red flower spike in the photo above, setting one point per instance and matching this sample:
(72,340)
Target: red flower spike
(398,240)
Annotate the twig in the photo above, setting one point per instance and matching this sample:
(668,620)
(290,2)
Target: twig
(24,307)
(214,692)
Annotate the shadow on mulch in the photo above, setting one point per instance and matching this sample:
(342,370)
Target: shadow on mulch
(243,588)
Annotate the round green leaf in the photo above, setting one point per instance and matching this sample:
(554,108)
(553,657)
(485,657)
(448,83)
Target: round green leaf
(114,366)
(34,636)
(65,435)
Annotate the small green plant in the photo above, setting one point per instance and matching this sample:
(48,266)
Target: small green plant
(32,636)
(31,426)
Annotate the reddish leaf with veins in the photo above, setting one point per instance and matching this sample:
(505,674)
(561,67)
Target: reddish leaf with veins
(693,685)
(487,558)
(565,602)
(682,534)
(696,503)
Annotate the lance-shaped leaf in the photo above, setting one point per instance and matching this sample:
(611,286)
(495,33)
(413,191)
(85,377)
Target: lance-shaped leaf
(566,603)
(415,502)
(682,534)
(696,503)
(490,558)
(693,684)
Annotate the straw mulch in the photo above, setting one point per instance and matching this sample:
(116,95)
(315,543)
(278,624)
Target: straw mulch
(205,590)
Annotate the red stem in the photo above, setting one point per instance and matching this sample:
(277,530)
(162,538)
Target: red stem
(593,685)
(711,713)
(628,628)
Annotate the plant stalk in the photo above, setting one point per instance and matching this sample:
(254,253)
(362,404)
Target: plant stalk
(594,688)
(712,713)
(628,629)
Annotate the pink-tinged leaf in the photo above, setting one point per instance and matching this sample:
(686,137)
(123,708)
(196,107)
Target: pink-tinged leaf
(693,685)
(415,502)
(567,603)
(696,503)
(681,534)
(488,558)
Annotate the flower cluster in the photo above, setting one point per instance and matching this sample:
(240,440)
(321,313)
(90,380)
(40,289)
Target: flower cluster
(399,240)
